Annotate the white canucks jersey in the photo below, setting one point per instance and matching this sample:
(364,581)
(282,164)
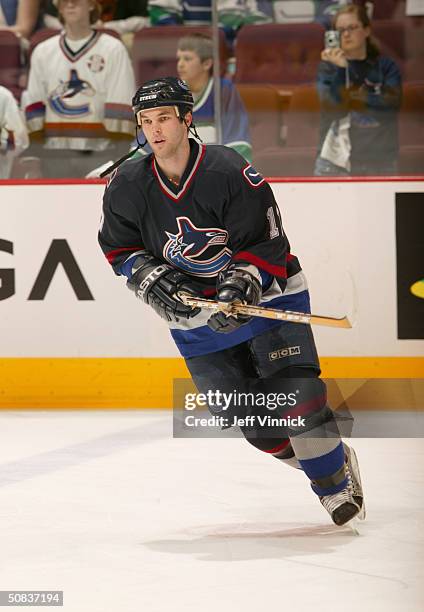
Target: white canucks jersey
(13,134)
(80,99)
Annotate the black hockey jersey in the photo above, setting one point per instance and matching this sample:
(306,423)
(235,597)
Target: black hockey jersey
(223,211)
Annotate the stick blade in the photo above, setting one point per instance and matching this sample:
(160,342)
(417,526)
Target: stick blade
(342,322)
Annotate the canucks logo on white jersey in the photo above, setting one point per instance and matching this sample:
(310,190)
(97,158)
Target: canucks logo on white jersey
(197,251)
(62,101)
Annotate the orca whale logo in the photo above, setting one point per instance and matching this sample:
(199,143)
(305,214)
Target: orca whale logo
(197,251)
(65,91)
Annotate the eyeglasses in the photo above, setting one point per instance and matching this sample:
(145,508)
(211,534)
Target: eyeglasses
(349,29)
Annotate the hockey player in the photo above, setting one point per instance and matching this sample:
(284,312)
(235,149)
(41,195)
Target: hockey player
(79,85)
(199,219)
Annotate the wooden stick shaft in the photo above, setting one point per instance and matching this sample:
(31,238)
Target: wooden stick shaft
(269,313)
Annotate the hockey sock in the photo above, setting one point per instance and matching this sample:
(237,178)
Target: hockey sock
(326,470)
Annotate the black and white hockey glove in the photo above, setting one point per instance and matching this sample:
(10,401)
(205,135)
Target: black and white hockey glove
(157,284)
(235,285)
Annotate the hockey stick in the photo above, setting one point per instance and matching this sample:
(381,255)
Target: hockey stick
(259,311)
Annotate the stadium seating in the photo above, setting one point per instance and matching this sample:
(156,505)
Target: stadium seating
(154,50)
(414,42)
(265,106)
(390,38)
(10,62)
(411,123)
(302,119)
(288,161)
(280,54)
(388,9)
(411,129)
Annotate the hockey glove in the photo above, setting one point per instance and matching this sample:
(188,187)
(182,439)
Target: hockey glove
(157,284)
(235,285)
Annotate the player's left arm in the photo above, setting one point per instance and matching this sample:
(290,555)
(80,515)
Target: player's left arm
(252,219)
(120,86)
(259,246)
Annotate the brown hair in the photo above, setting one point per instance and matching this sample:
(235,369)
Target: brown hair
(201,44)
(361,13)
(94,13)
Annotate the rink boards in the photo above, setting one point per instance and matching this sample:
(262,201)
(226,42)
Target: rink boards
(74,336)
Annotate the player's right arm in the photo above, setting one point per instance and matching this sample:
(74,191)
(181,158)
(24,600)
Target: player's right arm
(156,283)
(119,234)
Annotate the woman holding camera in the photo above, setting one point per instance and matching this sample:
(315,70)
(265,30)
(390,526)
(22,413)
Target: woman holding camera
(360,92)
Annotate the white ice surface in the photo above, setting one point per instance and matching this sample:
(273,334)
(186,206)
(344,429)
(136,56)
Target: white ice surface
(112,510)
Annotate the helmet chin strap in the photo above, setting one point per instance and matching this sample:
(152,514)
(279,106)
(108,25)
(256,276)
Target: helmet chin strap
(140,144)
(191,129)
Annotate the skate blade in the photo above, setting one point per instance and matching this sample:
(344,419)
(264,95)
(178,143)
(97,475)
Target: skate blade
(362,513)
(353,525)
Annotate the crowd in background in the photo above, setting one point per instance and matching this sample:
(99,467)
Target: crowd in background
(324,87)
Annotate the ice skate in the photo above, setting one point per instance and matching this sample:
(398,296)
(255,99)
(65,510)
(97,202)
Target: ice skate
(348,503)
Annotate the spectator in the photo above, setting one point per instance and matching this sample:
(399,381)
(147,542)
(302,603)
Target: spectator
(20,16)
(194,65)
(13,134)
(124,17)
(291,11)
(79,91)
(360,92)
(232,14)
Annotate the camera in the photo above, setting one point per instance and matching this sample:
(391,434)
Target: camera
(332,39)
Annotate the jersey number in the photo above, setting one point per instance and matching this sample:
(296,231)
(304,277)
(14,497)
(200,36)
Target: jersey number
(273,227)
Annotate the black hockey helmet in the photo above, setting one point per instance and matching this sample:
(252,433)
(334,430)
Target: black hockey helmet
(167,91)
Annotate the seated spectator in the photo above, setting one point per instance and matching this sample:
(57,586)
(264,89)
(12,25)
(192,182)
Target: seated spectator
(13,134)
(79,93)
(232,14)
(124,17)
(289,11)
(194,66)
(21,16)
(360,93)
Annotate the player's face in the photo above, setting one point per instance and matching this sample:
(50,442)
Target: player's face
(190,68)
(353,35)
(75,11)
(163,130)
